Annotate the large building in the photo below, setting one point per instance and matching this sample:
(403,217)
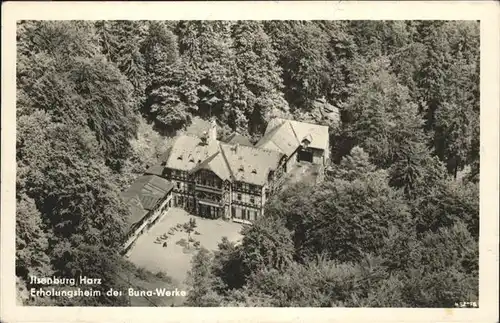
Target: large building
(229,179)
(232,179)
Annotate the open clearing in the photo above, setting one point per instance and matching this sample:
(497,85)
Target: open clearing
(173,259)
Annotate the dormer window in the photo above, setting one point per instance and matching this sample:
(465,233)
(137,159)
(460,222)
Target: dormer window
(204,138)
(164,163)
(254,171)
(306,141)
(179,157)
(241,169)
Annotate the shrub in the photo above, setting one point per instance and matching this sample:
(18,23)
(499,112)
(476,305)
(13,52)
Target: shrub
(142,273)
(161,274)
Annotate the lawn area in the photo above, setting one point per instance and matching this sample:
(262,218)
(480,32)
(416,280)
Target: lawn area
(174,259)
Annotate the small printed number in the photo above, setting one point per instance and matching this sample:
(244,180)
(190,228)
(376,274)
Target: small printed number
(466,304)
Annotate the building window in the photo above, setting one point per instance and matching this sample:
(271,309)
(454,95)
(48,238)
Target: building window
(252,200)
(239,197)
(178,185)
(244,214)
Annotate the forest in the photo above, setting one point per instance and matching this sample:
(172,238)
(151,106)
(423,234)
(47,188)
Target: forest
(394,224)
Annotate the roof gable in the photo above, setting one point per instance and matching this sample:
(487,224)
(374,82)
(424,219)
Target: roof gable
(316,134)
(236,138)
(286,135)
(283,137)
(250,164)
(188,151)
(216,164)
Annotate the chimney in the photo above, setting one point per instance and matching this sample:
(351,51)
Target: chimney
(212,132)
(204,138)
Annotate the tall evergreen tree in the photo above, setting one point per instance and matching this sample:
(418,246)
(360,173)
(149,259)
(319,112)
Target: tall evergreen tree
(121,42)
(259,72)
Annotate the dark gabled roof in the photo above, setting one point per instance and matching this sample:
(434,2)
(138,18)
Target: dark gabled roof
(217,164)
(155,170)
(143,195)
(137,212)
(236,138)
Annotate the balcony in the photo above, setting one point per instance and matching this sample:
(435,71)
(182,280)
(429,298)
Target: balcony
(247,204)
(210,202)
(208,188)
(255,191)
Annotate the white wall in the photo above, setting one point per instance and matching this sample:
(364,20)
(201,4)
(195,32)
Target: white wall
(318,156)
(292,160)
(251,213)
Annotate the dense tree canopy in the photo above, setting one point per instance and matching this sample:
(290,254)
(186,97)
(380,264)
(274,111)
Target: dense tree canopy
(378,230)
(396,221)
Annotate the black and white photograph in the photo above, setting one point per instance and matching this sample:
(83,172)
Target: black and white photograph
(277,163)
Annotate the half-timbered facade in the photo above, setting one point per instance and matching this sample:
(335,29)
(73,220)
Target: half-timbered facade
(216,179)
(232,179)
